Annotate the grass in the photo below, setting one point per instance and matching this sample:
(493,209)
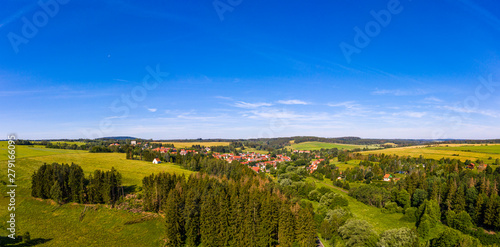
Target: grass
(319,145)
(254,150)
(190,144)
(456,151)
(23,151)
(343,166)
(69,142)
(56,225)
(380,221)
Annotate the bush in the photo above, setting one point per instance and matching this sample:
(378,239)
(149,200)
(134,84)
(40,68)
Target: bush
(333,200)
(314,195)
(391,208)
(358,233)
(371,195)
(410,214)
(402,237)
(451,237)
(323,190)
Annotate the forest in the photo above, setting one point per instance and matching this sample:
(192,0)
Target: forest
(65,183)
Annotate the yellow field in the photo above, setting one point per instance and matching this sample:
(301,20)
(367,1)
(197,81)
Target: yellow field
(190,144)
(452,151)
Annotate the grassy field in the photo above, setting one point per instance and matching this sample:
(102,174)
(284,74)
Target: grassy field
(54,225)
(69,142)
(343,166)
(254,150)
(190,144)
(320,145)
(23,151)
(456,151)
(380,221)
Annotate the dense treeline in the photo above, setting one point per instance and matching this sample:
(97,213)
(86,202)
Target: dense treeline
(65,183)
(225,212)
(434,191)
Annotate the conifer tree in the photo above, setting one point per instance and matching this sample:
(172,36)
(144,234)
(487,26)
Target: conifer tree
(286,234)
(175,235)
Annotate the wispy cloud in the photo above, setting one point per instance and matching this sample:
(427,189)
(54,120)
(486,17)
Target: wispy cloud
(412,114)
(273,114)
(432,99)
(459,109)
(223,97)
(346,104)
(292,102)
(152,109)
(247,105)
(399,92)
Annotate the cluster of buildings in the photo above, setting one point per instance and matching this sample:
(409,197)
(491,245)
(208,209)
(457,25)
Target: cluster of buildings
(174,151)
(314,165)
(479,167)
(262,159)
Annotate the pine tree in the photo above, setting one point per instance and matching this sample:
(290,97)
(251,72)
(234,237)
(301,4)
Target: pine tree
(459,200)
(479,208)
(56,192)
(223,219)
(489,212)
(175,235)
(286,233)
(208,219)
(192,219)
(305,230)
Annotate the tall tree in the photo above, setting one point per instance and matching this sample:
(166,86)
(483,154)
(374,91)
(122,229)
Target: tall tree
(175,234)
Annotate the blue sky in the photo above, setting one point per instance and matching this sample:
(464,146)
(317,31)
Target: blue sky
(76,69)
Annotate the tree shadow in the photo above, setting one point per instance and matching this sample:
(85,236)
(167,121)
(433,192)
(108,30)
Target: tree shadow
(129,189)
(6,241)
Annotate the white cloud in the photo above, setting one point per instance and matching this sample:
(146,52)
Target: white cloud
(410,114)
(488,113)
(433,99)
(292,102)
(346,104)
(247,105)
(152,109)
(398,92)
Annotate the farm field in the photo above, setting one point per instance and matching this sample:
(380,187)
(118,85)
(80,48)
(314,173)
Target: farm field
(320,145)
(68,142)
(457,151)
(190,144)
(54,225)
(23,151)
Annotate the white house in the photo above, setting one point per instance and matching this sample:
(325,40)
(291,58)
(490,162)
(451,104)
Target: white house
(156,161)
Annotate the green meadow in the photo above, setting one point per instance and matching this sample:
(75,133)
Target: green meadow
(380,221)
(53,225)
